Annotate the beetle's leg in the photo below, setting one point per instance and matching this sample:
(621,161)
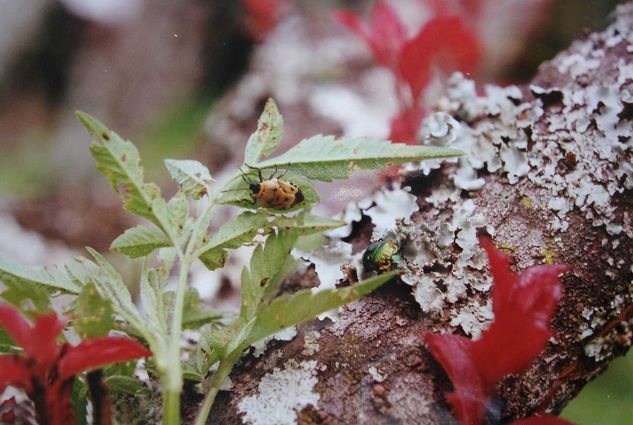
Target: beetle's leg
(284,173)
(259,171)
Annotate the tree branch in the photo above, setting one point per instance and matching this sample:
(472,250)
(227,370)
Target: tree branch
(548,174)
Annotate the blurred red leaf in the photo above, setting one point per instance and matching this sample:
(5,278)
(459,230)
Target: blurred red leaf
(262,16)
(97,352)
(14,372)
(385,34)
(523,306)
(46,371)
(445,42)
(405,126)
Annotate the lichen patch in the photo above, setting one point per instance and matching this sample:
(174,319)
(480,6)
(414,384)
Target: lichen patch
(282,393)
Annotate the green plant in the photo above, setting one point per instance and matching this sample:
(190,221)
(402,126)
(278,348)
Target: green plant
(177,236)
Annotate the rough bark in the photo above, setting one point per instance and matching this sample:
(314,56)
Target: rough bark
(548,174)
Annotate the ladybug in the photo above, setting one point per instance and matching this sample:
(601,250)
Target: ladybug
(274,193)
(381,256)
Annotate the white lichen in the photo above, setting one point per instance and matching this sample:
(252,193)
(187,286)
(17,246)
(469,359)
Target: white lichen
(282,393)
(375,375)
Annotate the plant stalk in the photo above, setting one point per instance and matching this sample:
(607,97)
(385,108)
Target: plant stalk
(220,375)
(171,396)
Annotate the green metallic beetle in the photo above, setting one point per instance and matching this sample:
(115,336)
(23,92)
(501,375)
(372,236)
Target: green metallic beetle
(381,256)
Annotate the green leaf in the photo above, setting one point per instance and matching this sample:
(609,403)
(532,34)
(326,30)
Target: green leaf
(243,229)
(7,346)
(119,161)
(93,316)
(140,241)
(216,340)
(284,312)
(152,285)
(238,192)
(326,158)
(265,140)
(266,270)
(192,177)
(111,287)
(178,208)
(195,314)
(80,401)
(14,272)
(126,384)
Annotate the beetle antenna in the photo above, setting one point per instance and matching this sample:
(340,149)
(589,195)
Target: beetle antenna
(247,181)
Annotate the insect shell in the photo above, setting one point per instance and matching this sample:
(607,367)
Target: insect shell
(381,256)
(274,193)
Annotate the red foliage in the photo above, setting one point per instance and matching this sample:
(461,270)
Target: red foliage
(385,35)
(523,306)
(443,42)
(47,370)
(404,127)
(262,16)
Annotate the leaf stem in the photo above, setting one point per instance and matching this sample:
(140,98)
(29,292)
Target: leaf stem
(171,396)
(220,375)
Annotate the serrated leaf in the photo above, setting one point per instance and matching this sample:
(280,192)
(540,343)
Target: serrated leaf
(126,384)
(195,314)
(119,161)
(239,193)
(243,229)
(111,287)
(192,177)
(178,209)
(284,312)
(216,340)
(152,284)
(265,140)
(266,268)
(326,158)
(92,315)
(21,274)
(140,241)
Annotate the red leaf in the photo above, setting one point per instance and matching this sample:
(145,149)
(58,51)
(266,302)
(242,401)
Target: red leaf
(444,41)
(13,371)
(385,35)
(523,307)
(405,126)
(388,34)
(473,6)
(262,16)
(59,407)
(542,420)
(18,328)
(470,396)
(97,352)
(43,345)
